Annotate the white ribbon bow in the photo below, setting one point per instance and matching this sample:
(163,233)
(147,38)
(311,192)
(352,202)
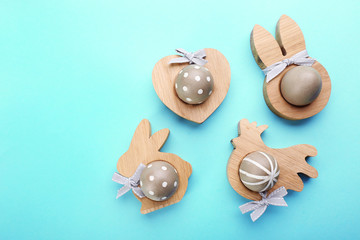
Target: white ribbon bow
(196,57)
(275,198)
(301,58)
(129,183)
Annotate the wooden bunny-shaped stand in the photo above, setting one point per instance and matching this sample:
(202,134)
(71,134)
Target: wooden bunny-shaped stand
(144,148)
(267,51)
(291,160)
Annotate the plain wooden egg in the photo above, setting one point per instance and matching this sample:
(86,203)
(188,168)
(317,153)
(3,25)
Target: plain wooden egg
(194,84)
(259,171)
(301,85)
(159,180)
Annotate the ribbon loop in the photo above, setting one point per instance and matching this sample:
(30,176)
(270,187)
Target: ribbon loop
(275,198)
(301,58)
(191,57)
(129,183)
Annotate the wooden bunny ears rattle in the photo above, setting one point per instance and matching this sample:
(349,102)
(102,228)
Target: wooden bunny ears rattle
(192,91)
(157,179)
(296,86)
(258,172)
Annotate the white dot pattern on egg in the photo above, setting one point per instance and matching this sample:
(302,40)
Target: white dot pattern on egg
(195,85)
(160,181)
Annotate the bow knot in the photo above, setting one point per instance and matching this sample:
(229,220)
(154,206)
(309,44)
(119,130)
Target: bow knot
(301,58)
(133,183)
(263,202)
(288,61)
(129,183)
(191,57)
(258,207)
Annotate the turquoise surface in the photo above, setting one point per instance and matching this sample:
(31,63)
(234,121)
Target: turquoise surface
(75,81)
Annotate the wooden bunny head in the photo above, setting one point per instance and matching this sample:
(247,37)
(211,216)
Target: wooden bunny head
(144,148)
(267,50)
(291,160)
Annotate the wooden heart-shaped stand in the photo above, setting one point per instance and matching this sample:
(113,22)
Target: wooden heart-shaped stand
(164,76)
(291,160)
(145,148)
(267,51)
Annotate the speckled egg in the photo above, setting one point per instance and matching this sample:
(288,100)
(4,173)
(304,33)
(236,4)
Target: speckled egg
(259,171)
(301,85)
(194,84)
(159,180)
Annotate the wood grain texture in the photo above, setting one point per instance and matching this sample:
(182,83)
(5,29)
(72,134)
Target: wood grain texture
(144,148)
(291,160)
(267,50)
(164,75)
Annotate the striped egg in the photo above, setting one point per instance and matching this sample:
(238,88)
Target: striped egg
(259,171)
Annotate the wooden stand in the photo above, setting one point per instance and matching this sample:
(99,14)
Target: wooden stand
(144,148)
(164,75)
(267,51)
(291,160)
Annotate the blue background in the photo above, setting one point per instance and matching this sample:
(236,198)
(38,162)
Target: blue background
(75,81)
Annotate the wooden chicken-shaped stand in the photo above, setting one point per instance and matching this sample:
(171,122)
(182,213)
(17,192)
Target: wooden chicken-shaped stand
(291,160)
(144,149)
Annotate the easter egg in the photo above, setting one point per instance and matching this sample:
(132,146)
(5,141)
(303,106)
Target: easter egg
(301,85)
(194,84)
(259,171)
(159,180)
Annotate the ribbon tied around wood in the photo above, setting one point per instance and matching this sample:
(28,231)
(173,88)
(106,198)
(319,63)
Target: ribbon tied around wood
(129,183)
(275,198)
(301,58)
(191,57)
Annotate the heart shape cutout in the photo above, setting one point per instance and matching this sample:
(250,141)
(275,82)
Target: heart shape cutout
(164,76)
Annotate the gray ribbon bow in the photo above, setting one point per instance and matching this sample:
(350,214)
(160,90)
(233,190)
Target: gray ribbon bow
(301,58)
(275,198)
(196,57)
(129,183)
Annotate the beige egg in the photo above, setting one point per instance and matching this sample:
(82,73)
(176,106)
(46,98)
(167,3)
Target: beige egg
(301,85)
(194,84)
(159,180)
(259,171)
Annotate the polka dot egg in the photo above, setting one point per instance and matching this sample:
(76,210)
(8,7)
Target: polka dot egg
(159,180)
(259,171)
(194,84)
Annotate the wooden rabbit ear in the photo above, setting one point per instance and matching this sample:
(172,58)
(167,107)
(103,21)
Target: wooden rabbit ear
(142,133)
(264,47)
(289,36)
(159,138)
